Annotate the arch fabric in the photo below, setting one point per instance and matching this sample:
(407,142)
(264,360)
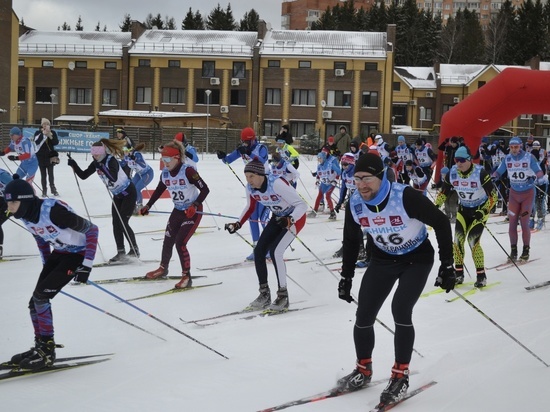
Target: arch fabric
(508,95)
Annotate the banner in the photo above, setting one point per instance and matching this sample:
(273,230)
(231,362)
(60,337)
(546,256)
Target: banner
(74,141)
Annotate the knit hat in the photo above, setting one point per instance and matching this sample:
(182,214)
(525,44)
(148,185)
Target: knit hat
(514,140)
(401,138)
(19,190)
(15,130)
(248,134)
(256,167)
(462,152)
(370,163)
(444,170)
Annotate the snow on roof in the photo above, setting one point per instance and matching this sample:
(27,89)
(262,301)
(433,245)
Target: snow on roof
(74,118)
(196,42)
(459,74)
(325,43)
(73,43)
(417,77)
(153,114)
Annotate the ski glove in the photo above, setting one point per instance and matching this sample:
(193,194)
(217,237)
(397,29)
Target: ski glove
(480,214)
(71,162)
(81,274)
(446,277)
(232,227)
(13,157)
(284,221)
(144,210)
(221,155)
(242,149)
(190,211)
(344,289)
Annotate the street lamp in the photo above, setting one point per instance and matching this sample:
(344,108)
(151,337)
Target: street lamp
(422,115)
(52,97)
(208,92)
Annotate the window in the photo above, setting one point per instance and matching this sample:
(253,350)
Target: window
(79,64)
(526,117)
(302,128)
(303,97)
(273,63)
(238,98)
(371,66)
(480,84)
(173,95)
(43,94)
(304,64)
(47,63)
(339,98)
(80,96)
(546,132)
(396,86)
(21,94)
(272,96)
(239,70)
(427,114)
(174,63)
(340,65)
(200,96)
(143,95)
(272,127)
(369,99)
(144,63)
(110,65)
(21,63)
(109,97)
(447,107)
(208,69)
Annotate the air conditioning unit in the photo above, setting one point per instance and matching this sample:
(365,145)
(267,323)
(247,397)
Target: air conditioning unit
(546,117)
(456,99)
(412,102)
(327,114)
(214,81)
(429,94)
(224,109)
(339,72)
(235,82)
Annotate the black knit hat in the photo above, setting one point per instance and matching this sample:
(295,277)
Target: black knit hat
(256,167)
(18,189)
(370,163)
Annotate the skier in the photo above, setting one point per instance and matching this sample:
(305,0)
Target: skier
(5,178)
(288,218)
(476,197)
(417,177)
(190,151)
(188,191)
(282,168)
(395,217)
(328,173)
(123,192)
(403,153)
(287,152)
(523,169)
(73,239)
(143,173)
(24,148)
(248,150)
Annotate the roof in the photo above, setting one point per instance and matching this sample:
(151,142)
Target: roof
(73,43)
(73,118)
(147,114)
(417,77)
(196,42)
(325,43)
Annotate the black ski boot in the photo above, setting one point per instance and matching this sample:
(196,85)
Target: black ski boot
(359,378)
(524,254)
(513,254)
(42,357)
(397,386)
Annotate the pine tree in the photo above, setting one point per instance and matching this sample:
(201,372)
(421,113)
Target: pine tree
(156,21)
(192,21)
(169,23)
(65,27)
(327,21)
(97,27)
(471,41)
(250,21)
(126,24)
(79,26)
(449,41)
(219,19)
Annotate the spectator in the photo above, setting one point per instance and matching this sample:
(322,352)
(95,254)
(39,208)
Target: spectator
(45,141)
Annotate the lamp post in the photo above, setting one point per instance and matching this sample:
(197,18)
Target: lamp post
(208,92)
(422,115)
(52,97)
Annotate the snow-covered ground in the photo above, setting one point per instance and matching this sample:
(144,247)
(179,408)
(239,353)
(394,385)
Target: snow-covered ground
(271,360)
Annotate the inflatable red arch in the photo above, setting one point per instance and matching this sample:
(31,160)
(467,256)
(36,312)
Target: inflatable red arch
(508,95)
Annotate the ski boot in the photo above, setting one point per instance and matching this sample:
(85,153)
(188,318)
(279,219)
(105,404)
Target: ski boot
(481,279)
(263,300)
(513,254)
(42,357)
(524,254)
(540,224)
(185,282)
(332,215)
(459,269)
(359,378)
(338,253)
(133,253)
(313,213)
(120,257)
(280,304)
(397,386)
(157,273)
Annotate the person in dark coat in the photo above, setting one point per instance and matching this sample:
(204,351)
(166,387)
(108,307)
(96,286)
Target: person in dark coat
(45,140)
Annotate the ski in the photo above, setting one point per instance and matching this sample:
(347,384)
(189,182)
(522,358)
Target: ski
(174,290)
(238,264)
(386,407)
(472,291)
(8,259)
(128,261)
(263,314)
(56,367)
(518,262)
(9,365)
(438,290)
(138,279)
(327,261)
(331,393)
(538,285)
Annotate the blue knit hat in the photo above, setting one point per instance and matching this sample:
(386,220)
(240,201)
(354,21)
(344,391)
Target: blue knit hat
(462,152)
(444,170)
(515,140)
(15,130)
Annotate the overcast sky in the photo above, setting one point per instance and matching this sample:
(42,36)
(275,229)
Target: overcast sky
(51,14)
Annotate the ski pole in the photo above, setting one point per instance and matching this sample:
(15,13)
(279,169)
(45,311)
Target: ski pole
(210,210)
(156,318)
(506,253)
(86,207)
(498,326)
(110,314)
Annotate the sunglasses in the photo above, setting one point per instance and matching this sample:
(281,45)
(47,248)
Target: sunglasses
(166,159)
(460,159)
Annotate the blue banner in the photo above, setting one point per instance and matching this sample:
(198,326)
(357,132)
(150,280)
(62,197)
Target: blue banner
(74,141)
